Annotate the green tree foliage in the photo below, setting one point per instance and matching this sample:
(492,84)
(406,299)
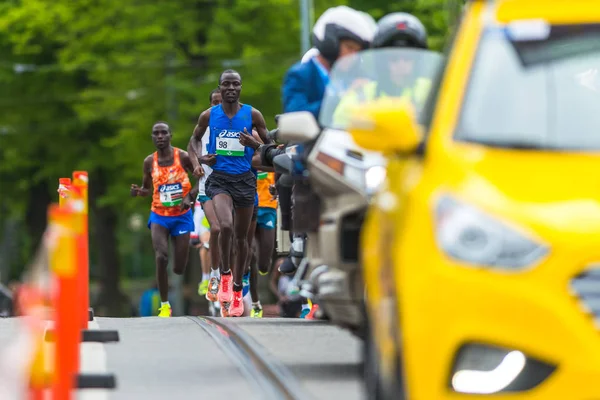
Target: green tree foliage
(83,82)
(263,39)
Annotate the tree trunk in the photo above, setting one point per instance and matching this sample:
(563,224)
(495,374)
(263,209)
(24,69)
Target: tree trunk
(36,217)
(111,301)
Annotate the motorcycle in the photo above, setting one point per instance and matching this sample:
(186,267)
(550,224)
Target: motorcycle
(343,176)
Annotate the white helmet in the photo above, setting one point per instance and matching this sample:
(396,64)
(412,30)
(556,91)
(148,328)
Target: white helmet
(313,52)
(338,23)
(371,21)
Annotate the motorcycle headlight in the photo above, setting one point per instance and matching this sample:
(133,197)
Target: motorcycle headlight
(471,236)
(374,178)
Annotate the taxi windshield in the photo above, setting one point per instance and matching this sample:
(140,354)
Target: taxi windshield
(371,74)
(535,94)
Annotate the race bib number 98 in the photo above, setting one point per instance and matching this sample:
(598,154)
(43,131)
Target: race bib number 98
(228,144)
(171,194)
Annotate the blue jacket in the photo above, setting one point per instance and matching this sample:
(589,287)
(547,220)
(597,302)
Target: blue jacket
(303,89)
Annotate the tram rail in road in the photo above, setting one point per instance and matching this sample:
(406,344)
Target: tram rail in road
(268,375)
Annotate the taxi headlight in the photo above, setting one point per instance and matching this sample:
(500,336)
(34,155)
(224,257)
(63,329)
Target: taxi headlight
(471,236)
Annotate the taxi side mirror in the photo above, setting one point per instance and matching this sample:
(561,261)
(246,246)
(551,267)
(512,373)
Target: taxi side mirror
(297,127)
(386,126)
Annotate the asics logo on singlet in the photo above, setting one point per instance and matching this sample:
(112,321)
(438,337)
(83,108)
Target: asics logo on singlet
(227,134)
(170,188)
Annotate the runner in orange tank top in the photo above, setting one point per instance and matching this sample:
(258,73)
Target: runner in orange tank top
(264,236)
(166,171)
(267,220)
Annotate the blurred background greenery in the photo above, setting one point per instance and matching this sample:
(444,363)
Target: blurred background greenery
(84,81)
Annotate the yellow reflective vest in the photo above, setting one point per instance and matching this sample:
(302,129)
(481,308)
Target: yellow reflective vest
(368,92)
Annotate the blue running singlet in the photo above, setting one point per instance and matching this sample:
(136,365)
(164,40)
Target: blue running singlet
(232,157)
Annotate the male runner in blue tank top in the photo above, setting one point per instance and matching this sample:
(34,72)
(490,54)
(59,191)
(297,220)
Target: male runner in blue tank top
(232,185)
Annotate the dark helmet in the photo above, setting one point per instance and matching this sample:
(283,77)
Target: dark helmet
(400,30)
(339,23)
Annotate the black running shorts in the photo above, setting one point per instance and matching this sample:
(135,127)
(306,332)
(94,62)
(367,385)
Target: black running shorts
(241,188)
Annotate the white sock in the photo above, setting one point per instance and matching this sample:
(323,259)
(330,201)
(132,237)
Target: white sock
(205,277)
(215,273)
(305,307)
(256,304)
(162,303)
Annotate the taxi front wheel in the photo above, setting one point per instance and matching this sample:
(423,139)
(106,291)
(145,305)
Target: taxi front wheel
(373,385)
(375,388)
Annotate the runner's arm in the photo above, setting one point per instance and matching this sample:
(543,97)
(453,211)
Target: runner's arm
(258,121)
(147,179)
(256,160)
(257,164)
(257,136)
(187,164)
(193,194)
(195,145)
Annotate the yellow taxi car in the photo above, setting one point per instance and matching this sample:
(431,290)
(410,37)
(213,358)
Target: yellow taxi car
(481,251)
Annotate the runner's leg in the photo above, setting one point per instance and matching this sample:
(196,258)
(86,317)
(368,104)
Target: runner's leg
(250,240)
(257,311)
(249,286)
(233,250)
(204,259)
(223,206)
(246,279)
(205,253)
(198,238)
(243,218)
(160,242)
(253,274)
(266,243)
(181,251)
(215,230)
(213,251)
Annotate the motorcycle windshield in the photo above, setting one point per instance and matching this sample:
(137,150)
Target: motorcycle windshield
(405,73)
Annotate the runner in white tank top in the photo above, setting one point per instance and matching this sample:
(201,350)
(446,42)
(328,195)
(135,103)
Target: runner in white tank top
(210,280)
(206,168)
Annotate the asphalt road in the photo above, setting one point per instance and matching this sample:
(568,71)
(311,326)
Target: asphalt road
(193,358)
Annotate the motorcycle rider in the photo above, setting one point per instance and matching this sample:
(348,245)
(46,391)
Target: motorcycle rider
(339,31)
(395,30)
